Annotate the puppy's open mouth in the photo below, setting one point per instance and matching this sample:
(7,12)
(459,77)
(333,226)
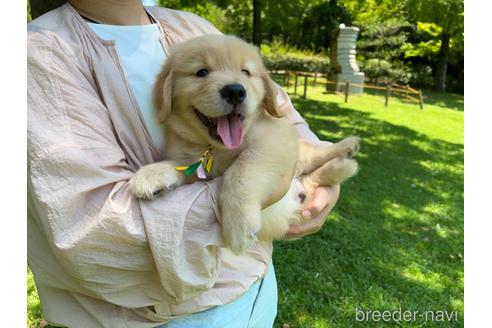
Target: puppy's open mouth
(227,128)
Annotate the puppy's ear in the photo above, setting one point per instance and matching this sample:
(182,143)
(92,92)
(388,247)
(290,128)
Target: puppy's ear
(163,92)
(270,97)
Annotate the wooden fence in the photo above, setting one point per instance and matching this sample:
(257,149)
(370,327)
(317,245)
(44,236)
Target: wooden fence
(405,91)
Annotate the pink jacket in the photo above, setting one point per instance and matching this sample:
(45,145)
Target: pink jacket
(100,257)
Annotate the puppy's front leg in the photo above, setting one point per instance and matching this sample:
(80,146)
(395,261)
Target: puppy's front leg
(246,184)
(151,179)
(258,171)
(240,207)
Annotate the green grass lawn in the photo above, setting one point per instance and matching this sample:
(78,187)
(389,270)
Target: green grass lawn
(34,316)
(395,238)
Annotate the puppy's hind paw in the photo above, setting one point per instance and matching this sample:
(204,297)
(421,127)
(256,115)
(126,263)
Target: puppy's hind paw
(349,146)
(344,168)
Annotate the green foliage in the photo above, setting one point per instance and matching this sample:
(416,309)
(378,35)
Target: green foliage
(36,8)
(380,49)
(294,63)
(422,76)
(400,40)
(383,40)
(278,56)
(448,14)
(34,316)
(429,45)
(230,16)
(212,13)
(427,48)
(382,71)
(320,24)
(283,18)
(431,29)
(371,12)
(29,17)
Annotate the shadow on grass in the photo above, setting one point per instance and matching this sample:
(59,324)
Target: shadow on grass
(448,100)
(395,239)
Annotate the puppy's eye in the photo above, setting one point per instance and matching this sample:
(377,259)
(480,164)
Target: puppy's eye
(245,71)
(201,73)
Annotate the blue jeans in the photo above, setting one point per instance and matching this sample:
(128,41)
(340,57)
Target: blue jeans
(257,308)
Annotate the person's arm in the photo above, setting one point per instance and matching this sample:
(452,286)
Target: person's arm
(114,247)
(324,198)
(285,105)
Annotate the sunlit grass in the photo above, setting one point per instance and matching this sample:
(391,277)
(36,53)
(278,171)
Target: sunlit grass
(395,239)
(33,304)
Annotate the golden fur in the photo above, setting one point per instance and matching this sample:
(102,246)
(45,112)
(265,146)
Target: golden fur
(269,152)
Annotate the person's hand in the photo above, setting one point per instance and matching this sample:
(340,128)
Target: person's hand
(323,201)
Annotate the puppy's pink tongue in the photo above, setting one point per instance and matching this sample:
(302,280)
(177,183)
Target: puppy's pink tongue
(230,130)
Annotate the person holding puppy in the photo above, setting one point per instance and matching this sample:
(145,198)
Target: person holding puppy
(101,257)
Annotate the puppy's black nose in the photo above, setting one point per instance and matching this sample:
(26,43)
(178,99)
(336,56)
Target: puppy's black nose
(233,93)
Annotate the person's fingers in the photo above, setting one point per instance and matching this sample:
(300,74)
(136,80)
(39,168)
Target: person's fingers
(318,203)
(322,197)
(324,200)
(308,227)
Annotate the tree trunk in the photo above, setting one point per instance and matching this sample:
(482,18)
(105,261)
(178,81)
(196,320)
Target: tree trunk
(442,63)
(257,22)
(334,66)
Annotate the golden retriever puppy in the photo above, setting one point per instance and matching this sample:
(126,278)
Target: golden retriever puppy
(217,103)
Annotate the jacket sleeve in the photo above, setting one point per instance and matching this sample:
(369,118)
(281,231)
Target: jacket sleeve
(285,105)
(112,245)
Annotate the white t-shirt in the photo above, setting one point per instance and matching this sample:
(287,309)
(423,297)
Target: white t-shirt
(142,57)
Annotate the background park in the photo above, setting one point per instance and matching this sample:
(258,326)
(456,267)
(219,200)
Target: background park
(395,238)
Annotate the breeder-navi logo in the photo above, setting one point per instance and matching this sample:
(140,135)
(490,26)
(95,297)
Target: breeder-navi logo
(400,315)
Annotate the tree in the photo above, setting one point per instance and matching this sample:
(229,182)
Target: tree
(380,46)
(229,16)
(448,14)
(257,23)
(319,28)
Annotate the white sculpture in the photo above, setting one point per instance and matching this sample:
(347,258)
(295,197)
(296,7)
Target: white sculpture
(344,65)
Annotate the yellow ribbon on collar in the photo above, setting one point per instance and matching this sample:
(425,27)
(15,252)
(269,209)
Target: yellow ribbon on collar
(203,167)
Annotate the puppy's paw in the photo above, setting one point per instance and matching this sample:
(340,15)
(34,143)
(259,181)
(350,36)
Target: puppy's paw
(331,173)
(298,192)
(342,169)
(151,180)
(349,146)
(239,240)
(239,228)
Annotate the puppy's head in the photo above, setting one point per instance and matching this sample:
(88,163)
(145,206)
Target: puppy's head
(212,88)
